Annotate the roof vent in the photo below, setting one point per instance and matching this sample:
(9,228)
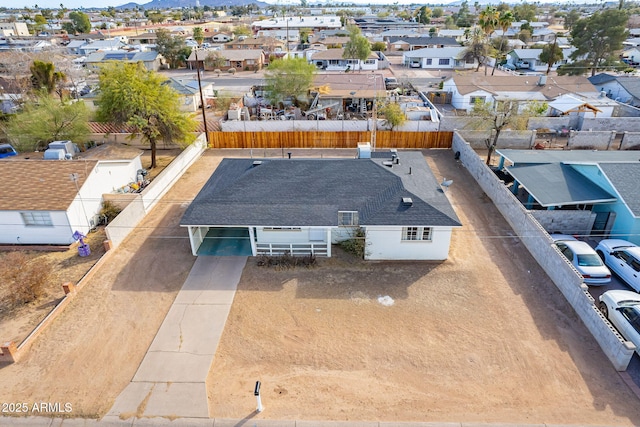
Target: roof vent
(388,163)
(257,163)
(407,201)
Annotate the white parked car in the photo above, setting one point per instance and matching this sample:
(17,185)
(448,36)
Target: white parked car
(623,258)
(622,308)
(583,258)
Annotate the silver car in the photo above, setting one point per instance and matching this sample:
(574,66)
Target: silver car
(623,258)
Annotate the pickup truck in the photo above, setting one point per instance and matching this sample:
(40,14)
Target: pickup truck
(391,83)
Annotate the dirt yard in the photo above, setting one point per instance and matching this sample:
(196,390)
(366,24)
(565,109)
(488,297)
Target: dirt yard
(481,337)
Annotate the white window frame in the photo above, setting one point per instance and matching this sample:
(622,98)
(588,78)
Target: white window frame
(348,219)
(281,229)
(36,219)
(417,234)
(444,61)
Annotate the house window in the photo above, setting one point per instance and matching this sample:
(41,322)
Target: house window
(36,219)
(443,61)
(470,60)
(429,61)
(281,229)
(417,233)
(348,218)
(480,99)
(333,62)
(370,61)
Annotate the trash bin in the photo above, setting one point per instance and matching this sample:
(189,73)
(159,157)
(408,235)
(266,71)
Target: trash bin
(84,250)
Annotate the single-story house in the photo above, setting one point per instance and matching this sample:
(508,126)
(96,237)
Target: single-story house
(437,58)
(189,92)
(222,37)
(530,57)
(415,43)
(466,89)
(101,45)
(152,60)
(302,206)
(598,187)
(625,89)
(11,93)
(333,60)
(60,196)
(267,44)
(240,59)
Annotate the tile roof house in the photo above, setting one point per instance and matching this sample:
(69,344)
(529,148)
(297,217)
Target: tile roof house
(415,43)
(46,201)
(600,184)
(302,206)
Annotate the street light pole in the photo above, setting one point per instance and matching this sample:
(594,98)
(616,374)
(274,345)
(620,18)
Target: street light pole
(374,113)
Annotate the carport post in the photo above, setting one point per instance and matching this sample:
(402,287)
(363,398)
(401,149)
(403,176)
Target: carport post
(256,393)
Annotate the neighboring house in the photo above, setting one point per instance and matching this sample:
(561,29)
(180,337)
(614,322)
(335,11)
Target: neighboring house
(332,60)
(314,23)
(377,25)
(353,93)
(599,184)
(386,35)
(14,29)
(11,94)
(152,60)
(530,57)
(101,45)
(73,47)
(292,35)
(148,38)
(189,92)
(459,35)
(49,207)
(331,42)
(416,43)
(625,89)
(239,59)
(467,89)
(631,56)
(222,37)
(438,58)
(268,45)
(302,206)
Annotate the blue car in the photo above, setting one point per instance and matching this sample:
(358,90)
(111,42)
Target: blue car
(7,150)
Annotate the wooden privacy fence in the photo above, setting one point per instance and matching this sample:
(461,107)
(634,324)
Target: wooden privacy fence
(384,139)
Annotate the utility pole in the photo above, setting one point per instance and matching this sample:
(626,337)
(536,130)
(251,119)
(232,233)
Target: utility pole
(204,107)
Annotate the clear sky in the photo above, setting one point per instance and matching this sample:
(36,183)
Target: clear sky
(76,4)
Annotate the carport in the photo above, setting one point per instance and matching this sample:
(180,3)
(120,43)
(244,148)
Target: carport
(226,241)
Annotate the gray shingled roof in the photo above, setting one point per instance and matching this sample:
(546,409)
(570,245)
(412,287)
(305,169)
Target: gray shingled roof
(556,184)
(625,178)
(310,192)
(568,156)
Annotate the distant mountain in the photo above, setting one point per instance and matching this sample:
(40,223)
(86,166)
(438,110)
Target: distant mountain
(167,4)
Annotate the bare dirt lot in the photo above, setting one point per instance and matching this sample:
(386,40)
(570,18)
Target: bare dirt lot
(484,336)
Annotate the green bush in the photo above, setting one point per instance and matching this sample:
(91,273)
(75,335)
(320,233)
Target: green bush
(356,244)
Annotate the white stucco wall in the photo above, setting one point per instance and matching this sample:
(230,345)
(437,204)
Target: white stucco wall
(385,243)
(13,230)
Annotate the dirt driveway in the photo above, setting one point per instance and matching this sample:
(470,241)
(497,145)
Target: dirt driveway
(484,336)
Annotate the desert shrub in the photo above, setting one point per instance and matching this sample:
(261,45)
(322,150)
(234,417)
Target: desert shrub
(286,261)
(356,244)
(25,278)
(232,70)
(109,210)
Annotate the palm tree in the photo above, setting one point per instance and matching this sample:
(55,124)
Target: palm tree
(505,20)
(488,21)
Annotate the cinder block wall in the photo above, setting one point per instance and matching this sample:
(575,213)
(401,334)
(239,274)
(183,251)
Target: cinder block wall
(538,243)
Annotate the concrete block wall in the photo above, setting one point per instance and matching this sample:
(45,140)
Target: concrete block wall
(555,123)
(523,139)
(599,124)
(630,140)
(565,222)
(535,239)
(137,208)
(591,140)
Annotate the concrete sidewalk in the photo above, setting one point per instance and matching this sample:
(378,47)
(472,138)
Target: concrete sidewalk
(170,381)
